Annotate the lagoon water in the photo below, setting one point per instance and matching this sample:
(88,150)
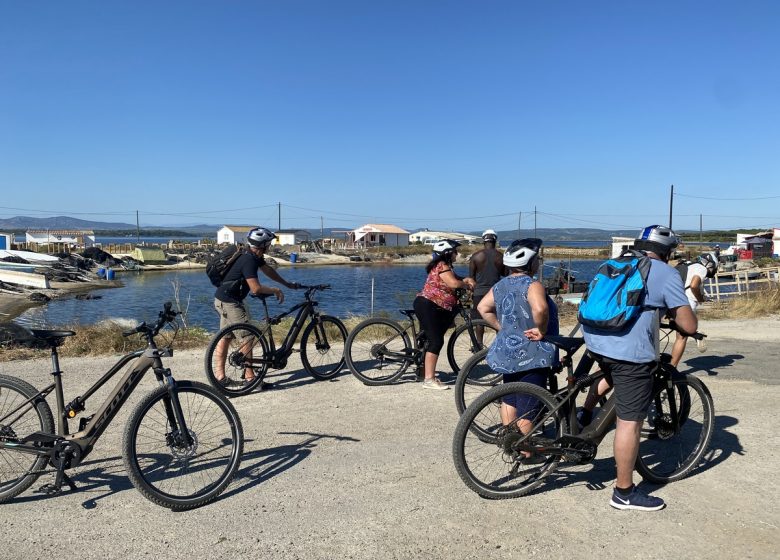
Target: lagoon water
(144,293)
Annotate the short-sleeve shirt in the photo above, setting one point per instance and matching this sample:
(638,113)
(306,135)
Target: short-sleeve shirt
(512,351)
(639,343)
(234,287)
(436,290)
(694,270)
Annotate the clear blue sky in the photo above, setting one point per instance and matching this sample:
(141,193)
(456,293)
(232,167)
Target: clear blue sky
(451,115)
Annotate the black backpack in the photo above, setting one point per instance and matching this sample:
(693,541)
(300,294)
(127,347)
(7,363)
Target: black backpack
(682,268)
(219,264)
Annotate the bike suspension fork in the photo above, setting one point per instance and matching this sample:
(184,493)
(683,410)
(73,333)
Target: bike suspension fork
(173,407)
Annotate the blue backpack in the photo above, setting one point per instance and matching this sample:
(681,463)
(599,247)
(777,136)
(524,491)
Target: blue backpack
(616,295)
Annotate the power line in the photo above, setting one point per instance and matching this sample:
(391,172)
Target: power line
(732,199)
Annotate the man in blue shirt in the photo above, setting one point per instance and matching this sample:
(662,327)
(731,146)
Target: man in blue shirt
(629,358)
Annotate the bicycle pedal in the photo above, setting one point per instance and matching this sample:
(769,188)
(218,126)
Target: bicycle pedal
(49,489)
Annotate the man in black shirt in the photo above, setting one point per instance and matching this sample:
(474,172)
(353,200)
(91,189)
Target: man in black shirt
(486,266)
(239,282)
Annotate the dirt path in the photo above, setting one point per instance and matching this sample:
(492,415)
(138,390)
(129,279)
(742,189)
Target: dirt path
(339,470)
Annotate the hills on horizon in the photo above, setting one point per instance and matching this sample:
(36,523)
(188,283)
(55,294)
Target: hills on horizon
(19,224)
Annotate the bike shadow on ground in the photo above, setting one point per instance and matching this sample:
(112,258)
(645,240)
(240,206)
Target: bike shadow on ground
(600,474)
(107,476)
(262,465)
(710,364)
(286,379)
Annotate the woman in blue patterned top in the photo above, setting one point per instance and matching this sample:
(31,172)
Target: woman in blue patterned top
(518,307)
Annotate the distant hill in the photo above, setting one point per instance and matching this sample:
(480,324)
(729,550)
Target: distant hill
(20,224)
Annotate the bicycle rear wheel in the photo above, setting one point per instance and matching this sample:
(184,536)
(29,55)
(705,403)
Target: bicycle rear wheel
(460,347)
(474,378)
(500,461)
(19,470)
(236,349)
(378,351)
(669,450)
(167,469)
(322,347)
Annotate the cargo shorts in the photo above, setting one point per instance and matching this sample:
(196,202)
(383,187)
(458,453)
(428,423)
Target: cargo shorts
(231,313)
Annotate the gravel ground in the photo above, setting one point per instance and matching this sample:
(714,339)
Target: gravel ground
(340,470)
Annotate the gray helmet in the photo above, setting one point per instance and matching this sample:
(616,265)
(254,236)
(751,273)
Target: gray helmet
(658,239)
(707,260)
(521,251)
(260,237)
(444,248)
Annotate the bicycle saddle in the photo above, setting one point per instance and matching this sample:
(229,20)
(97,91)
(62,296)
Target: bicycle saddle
(51,338)
(568,344)
(408,312)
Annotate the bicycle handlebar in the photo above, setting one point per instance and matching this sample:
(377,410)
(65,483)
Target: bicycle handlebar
(671,325)
(167,315)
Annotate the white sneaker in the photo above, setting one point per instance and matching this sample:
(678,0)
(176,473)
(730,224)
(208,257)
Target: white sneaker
(435,384)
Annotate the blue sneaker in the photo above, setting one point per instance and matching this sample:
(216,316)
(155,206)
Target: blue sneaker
(636,500)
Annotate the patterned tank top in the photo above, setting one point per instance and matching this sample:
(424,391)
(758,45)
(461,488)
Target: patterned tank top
(436,290)
(511,351)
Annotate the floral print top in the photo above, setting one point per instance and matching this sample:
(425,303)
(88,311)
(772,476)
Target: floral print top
(436,290)
(512,351)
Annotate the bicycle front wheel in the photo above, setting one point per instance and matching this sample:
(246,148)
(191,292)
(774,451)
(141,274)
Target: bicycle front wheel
(19,470)
(670,448)
(378,351)
(474,378)
(503,457)
(322,347)
(181,471)
(237,350)
(460,347)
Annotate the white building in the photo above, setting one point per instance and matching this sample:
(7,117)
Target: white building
(291,237)
(428,237)
(620,244)
(6,240)
(233,234)
(378,235)
(81,238)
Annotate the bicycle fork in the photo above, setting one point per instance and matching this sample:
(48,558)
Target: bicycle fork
(179,435)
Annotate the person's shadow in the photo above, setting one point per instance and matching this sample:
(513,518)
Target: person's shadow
(710,364)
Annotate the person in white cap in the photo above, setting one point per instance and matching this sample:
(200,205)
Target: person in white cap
(486,266)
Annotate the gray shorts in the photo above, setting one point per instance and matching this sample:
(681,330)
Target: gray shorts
(230,313)
(633,384)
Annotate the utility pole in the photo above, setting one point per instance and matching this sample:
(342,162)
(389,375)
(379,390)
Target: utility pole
(322,228)
(534,221)
(137,229)
(700,229)
(671,204)
(519,219)
(280,217)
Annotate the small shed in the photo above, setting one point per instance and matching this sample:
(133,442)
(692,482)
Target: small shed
(620,244)
(149,255)
(6,240)
(291,237)
(233,234)
(381,235)
(759,246)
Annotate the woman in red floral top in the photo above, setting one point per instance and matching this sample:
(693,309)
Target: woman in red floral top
(435,305)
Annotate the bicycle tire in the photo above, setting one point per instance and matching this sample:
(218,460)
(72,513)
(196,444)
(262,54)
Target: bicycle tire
(234,359)
(474,378)
(459,347)
(365,351)
(329,361)
(160,473)
(19,470)
(665,456)
(492,467)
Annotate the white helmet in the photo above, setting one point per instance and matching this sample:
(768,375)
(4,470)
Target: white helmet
(260,237)
(489,235)
(521,251)
(658,239)
(708,261)
(444,248)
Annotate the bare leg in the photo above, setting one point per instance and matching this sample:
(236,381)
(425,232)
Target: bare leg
(626,449)
(430,366)
(597,391)
(678,349)
(479,333)
(246,350)
(220,355)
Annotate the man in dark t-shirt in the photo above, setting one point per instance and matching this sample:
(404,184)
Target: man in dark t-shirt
(486,266)
(239,282)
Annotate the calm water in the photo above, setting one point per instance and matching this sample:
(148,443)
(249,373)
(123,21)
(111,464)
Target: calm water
(144,293)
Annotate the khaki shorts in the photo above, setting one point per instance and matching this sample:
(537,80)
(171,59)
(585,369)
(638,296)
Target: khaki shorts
(231,313)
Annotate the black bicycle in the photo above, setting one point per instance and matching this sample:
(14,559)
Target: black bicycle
(244,348)
(510,456)
(182,443)
(379,351)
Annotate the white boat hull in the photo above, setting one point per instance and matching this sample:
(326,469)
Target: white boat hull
(24,279)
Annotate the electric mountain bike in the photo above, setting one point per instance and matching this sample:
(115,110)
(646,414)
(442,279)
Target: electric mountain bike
(509,458)
(379,351)
(182,443)
(244,347)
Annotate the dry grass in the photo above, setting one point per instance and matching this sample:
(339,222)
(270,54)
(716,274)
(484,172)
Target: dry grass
(749,306)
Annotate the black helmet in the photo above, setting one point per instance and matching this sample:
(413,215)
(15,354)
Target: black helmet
(445,248)
(521,251)
(260,237)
